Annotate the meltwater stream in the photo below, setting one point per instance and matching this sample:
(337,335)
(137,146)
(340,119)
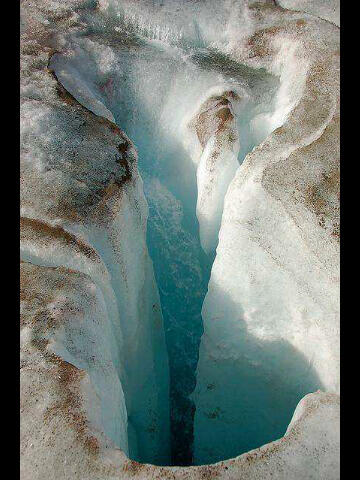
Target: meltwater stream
(152,91)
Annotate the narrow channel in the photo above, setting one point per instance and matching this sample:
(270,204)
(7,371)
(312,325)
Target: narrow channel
(153,91)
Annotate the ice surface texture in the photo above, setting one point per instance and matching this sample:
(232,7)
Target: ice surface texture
(196,87)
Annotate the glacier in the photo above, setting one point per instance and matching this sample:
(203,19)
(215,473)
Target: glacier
(179,239)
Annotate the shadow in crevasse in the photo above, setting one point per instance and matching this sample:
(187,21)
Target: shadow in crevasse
(181,268)
(247,387)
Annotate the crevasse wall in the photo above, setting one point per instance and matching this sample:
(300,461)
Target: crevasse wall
(83,208)
(271,311)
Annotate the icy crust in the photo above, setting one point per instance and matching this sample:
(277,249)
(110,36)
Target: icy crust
(271,326)
(69,380)
(83,208)
(327,9)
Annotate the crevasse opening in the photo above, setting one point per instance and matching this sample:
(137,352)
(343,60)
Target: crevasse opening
(153,80)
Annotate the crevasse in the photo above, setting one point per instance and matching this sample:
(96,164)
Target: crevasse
(152,80)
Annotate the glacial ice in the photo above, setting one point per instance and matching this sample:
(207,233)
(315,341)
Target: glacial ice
(271,331)
(213,306)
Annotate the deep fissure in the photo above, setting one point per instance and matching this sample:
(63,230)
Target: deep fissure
(153,92)
(182,269)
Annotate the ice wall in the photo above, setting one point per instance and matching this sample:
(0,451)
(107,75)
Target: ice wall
(83,208)
(271,311)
